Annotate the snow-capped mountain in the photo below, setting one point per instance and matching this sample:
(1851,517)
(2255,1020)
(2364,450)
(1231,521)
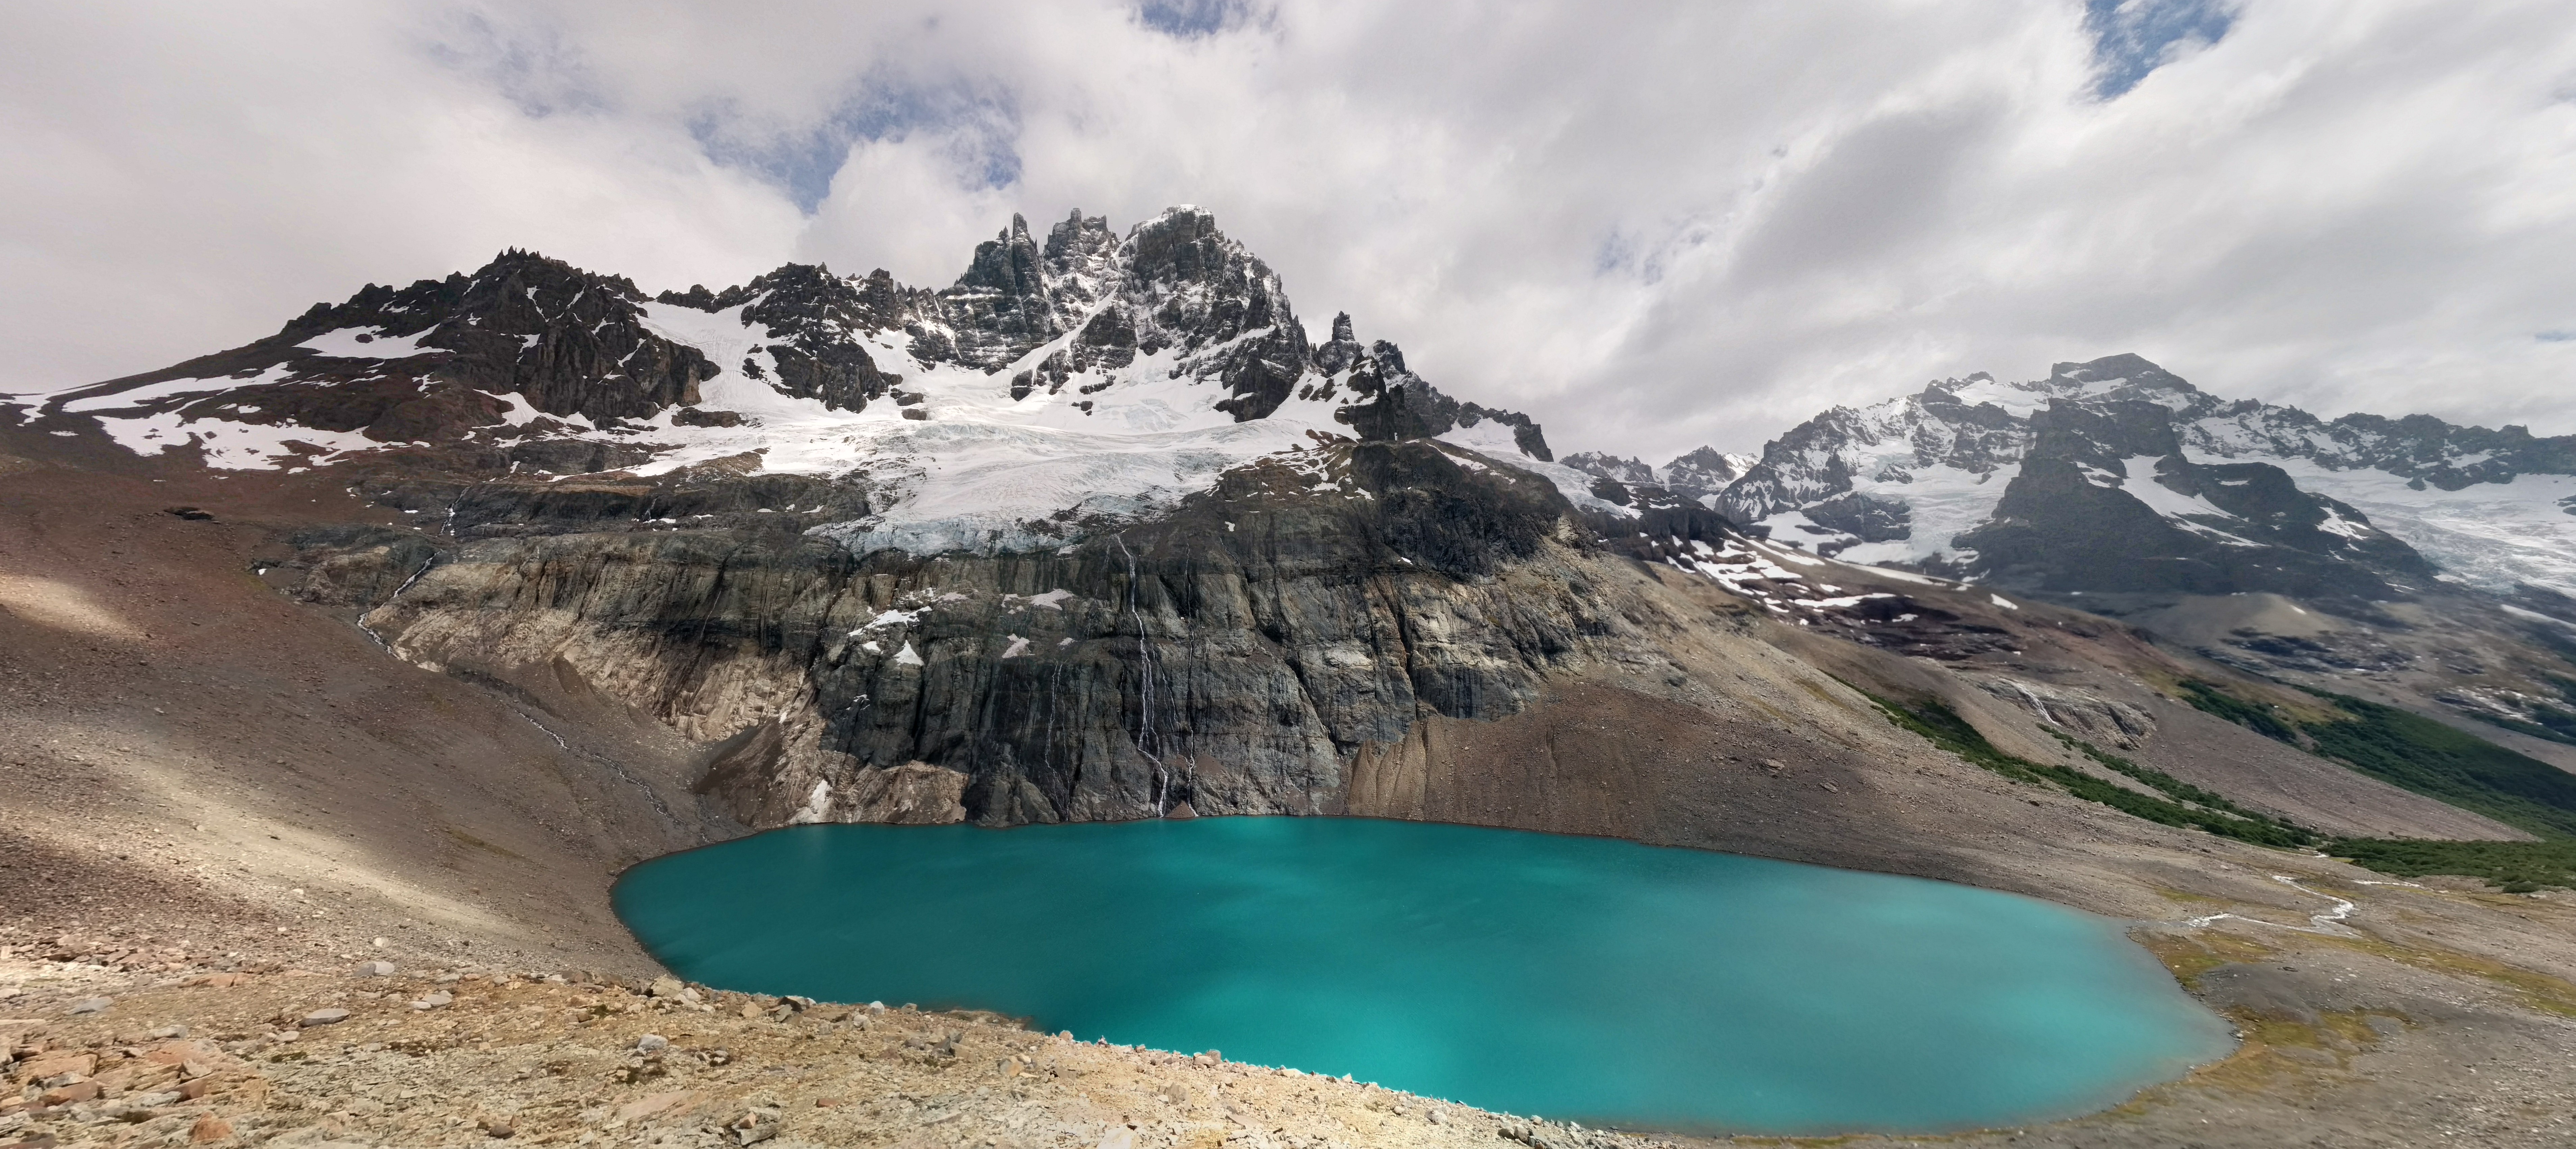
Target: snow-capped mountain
(1950,478)
(1089,378)
(1698,477)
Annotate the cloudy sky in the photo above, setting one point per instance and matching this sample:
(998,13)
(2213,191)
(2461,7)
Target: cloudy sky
(1651,225)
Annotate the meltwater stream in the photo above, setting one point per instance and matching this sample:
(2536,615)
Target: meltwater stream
(1580,978)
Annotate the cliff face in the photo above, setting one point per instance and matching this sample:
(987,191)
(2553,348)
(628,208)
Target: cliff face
(1232,657)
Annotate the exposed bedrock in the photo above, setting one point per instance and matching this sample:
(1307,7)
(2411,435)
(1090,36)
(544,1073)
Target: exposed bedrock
(1232,658)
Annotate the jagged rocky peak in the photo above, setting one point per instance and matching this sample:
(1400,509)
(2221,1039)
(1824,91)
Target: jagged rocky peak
(1172,327)
(1699,477)
(1954,432)
(1634,472)
(425,362)
(2126,376)
(1342,352)
(1379,398)
(815,319)
(571,342)
(1000,309)
(1702,474)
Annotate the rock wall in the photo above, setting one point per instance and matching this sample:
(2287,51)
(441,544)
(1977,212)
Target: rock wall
(1236,657)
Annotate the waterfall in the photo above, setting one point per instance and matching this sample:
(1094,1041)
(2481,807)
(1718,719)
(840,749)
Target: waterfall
(1145,665)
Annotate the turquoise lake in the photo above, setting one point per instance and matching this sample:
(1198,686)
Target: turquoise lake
(1573,978)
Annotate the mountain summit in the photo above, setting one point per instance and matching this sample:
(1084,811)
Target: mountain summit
(1090,377)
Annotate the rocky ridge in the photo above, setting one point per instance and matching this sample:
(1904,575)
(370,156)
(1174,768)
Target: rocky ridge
(1911,480)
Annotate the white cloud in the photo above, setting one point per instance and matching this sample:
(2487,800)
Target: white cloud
(1651,229)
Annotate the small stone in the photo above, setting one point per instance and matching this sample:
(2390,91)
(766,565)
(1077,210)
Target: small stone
(381,943)
(167,1033)
(73,1093)
(497,1129)
(434,1000)
(197,1089)
(376,969)
(332,1016)
(665,986)
(209,1128)
(49,1065)
(652,1043)
(90,1005)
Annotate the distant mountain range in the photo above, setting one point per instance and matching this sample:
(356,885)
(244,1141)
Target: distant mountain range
(2117,476)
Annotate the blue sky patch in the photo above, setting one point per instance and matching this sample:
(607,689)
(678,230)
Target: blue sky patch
(803,161)
(2134,37)
(1188,19)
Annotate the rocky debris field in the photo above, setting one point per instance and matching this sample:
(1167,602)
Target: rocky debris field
(420,1057)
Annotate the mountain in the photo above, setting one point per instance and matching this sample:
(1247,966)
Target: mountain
(1905,481)
(2436,558)
(406,629)
(1697,477)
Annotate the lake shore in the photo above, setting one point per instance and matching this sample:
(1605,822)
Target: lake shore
(560,1063)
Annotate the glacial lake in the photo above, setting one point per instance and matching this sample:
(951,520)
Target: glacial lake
(1572,978)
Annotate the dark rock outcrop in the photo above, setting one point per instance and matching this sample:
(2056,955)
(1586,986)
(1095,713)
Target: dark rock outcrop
(813,316)
(2078,518)
(1232,656)
(568,341)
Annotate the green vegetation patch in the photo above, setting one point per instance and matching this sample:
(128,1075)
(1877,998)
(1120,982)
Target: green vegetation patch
(2517,867)
(2183,804)
(2415,753)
